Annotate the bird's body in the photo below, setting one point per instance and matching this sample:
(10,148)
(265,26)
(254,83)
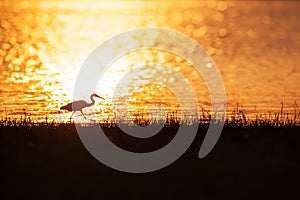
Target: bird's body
(80,104)
(75,106)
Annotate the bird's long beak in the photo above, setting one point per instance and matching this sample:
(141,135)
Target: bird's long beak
(99,97)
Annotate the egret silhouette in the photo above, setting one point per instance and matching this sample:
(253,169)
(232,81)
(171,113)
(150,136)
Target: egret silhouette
(80,104)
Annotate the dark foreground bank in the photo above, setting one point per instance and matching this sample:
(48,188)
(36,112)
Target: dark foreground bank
(247,163)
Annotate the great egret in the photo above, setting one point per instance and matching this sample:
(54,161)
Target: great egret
(79,105)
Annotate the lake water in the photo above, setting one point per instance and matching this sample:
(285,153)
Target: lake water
(43,44)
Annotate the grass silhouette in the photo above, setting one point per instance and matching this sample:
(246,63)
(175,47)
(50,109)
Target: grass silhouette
(237,117)
(254,157)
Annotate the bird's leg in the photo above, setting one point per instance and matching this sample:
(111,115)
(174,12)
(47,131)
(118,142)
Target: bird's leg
(72,115)
(82,114)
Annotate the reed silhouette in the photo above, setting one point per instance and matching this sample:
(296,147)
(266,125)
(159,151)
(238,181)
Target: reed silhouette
(47,160)
(238,117)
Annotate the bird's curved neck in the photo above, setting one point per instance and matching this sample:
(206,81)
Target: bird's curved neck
(93,100)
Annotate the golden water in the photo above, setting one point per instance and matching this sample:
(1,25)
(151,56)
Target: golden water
(255,45)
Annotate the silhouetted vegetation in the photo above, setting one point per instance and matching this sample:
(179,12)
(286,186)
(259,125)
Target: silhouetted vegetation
(238,117)
(253,158)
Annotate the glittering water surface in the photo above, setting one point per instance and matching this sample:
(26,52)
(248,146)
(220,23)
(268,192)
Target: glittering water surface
(256,46)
